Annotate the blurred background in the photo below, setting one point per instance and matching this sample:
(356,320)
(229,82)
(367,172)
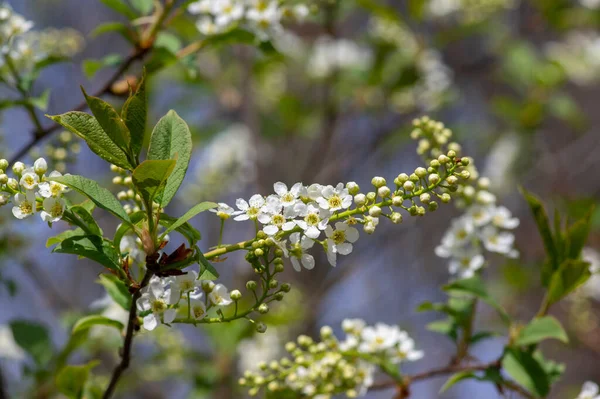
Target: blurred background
(517,82)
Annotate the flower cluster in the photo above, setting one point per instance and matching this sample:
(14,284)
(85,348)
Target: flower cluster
(160,300)
(262,16)
(61,150)
(21,47)
(132,200)
(295,218)
(331,367)
(579,56)
(32,191)
(590,390)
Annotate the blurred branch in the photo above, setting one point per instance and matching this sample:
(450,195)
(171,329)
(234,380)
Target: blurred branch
(40,134)
(128,340)
(3,393)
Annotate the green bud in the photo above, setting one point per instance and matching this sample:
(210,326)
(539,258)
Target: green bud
(353,188)
(261,235)
(360,199)
(261,243)
(420,211)
(434,178)
(402,177)
(208,286)
(255,245)
(279,268)
(18,168)
(421,172)
(413,177)
(3,179)
(452,180)
(451,154)
(3,164)
(378,181)
(371,196)
(273,283)
(384,191)
(425,198)
(261,328)
(412,210)
(409,186)
(434,163)
(251,285)
(236,295)
(286,287)
(259,252)
(290,346)
(465,161)
(432,206)
(465,174)
(397,200)
(279,296)
(443,159)
(326,332)
(396,217)
(375,211)
(263,308)
(446,198)
(279,252)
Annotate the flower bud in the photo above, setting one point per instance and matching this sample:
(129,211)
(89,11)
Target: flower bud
(290,346)
(259,252)
(114,168)
(413,177)
(3,179)
(420,211)
(286,287)
(369,228)
(421,172)
(434,163)
(469,192)
(18,168)
(353,188)
(261,328)
(465,161)
(263,308)
(118,180)
(273,386)
(279,296)
(279,268)
(443,159)
(236,295)
(13,184)
(40,166)
(371,196)
(130,194)
(396,217)
(452,180)
(425,198)
(326,332)
(409,185)
(208,286)
(397,200)
(432,206)
(434,178)
(484,183)
(122,196)
(251,285)
(128,181)
(378,181)
(446,198)
(360,199)
(273,283)
(4,199)
(402,177)
(383,191)
(279,252)
(375,211)
(451,154)
(3,164)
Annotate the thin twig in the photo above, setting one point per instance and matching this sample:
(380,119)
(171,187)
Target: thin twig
(40,134)
(128,340)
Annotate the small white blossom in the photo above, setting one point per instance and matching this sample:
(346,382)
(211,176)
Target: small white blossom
(288,197)
(185,284)
(53,209)
(157,300)
(219,296)
(29,179)
(207,26)
(223,211)
(466,264)
(590,390)
(340,240)
(251,209)
(497,241)
(380,337)
(502,218)
(51,188)
(314,219)
(25,205)
(198,307)
(335,198)
(298,255)
(227,11)
(201,7)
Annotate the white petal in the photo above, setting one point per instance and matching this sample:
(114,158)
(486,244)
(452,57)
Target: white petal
(241,204)
(287,226)
(150,322)
(296,189)
(344,249)
(271,230)
(241,217)
(264,218)
(351,234)
(312,232)
(280,188)
(257,201)
(308,261)
(169,315)
(296,264)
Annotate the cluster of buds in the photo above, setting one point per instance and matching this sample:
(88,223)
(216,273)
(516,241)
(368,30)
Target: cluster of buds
(30,191)
(332,367)
(261,16)
(132,201)
(61,151)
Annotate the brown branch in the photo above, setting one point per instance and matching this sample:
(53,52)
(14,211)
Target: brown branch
(39,135)
(128,340)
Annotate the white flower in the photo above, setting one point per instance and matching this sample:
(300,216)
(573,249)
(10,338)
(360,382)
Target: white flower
(301,11)
(251,209)
(227,11)
(156,299)
(480,214)
(207,27)
(40,166)
(198,308)
(466,264)
(460,233)
(29,179)
(201,7)
(340,240)
(132,246)
(335,198)
(502,217)
(497,241)
(220,296)
(406,351)
(485,197)
(590,390)
(273,219)
(184,284)
(287,197)
(312,192)
(314,220)
(379,338)
(25,205)
(353,326)
(265,15)
(53,209)
(51,188)
(223,211)
(350,343)
(298,254)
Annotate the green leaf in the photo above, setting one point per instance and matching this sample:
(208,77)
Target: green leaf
(71,380)
(110,121)
(91,67)
(577,235)
(186,229)
(41,102)
(543,225)
(108,27)
(63,235)
(171,139)
(88,128)
(526,371)
(120,7)
(540,329)
(475,286)
(207,270)
(455,379)
(88,322)
(196,209)
(135,113)
(168,41)
(99,195)
(143,6)
(91,247)
(446,327)
(116,289)
(570,275)
(34,339)
(87,219)
(150,178)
